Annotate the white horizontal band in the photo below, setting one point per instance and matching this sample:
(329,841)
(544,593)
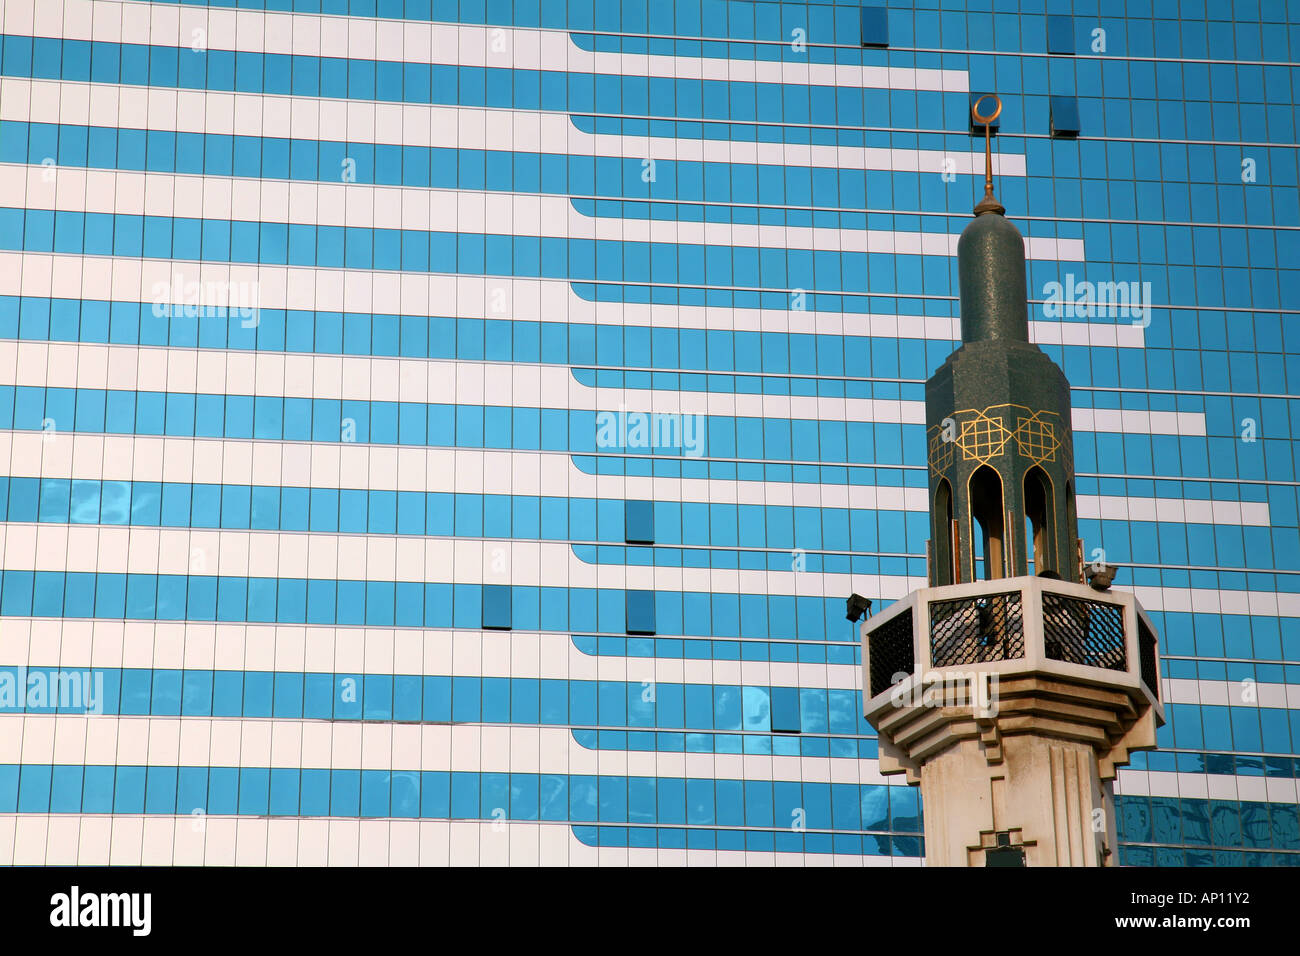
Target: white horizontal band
(126,192)
(1218,601)
(467,382)
(1135,421)
(308,34)
(452,127)
(381,745)
(404,468)
(479,297)
(93,457)
(54,547)
(376,557)
(432,381)
(1206,786)
(65,839)
(1225,693)
(319,649)
(438,470)
(1253,514)
(550,474)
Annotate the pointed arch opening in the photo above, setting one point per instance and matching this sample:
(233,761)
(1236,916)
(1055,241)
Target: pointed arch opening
(987,534)
(1040,531)
(944,552)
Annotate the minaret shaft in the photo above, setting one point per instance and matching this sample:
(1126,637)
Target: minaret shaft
(1005,799)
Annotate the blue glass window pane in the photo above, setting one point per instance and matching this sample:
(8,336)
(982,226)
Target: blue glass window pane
(496,606)
(639,522)
(1065,116)
(875,27)
(785,710)
(640,612)
(1060,34)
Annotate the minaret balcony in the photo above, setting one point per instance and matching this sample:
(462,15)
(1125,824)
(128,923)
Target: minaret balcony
(1009,656)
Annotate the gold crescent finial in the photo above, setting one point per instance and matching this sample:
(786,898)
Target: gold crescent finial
(988,203)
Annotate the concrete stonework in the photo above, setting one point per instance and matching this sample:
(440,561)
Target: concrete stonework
(971,799)
(1002,731)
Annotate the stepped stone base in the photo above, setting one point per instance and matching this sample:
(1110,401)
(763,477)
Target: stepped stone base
(1016,748)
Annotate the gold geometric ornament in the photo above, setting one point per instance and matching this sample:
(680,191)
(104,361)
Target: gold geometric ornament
(1036,438)
(982,435)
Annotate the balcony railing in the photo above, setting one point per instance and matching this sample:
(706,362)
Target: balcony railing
(973,630)
(1147,656)
(1014,625)
(891,652)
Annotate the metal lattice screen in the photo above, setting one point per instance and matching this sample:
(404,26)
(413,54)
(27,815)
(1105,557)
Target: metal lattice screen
(987,627)
(1147,658)
(890,649)
(1080,631)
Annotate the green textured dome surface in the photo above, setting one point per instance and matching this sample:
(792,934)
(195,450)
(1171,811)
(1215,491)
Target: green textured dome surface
(991,270)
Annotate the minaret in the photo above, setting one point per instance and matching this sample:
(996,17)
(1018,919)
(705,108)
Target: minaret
(998,422)
(1009,689)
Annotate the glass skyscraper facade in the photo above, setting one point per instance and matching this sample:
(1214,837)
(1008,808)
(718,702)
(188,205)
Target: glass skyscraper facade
(448,432)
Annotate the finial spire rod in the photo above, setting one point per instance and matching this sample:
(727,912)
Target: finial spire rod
(989,203)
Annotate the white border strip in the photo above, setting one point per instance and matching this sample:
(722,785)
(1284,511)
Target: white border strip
(457,127)
(550,474)
(32,839)
(1254,514)
(1206,786)
(465,382)
(387,558)
(125,458)
(400,468)
(1225,693)
(126,192)
(479,297)
(54,547)
(307,34)
(318,649)
(380,745)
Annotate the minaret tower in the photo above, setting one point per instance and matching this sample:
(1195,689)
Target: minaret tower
(1012,687)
